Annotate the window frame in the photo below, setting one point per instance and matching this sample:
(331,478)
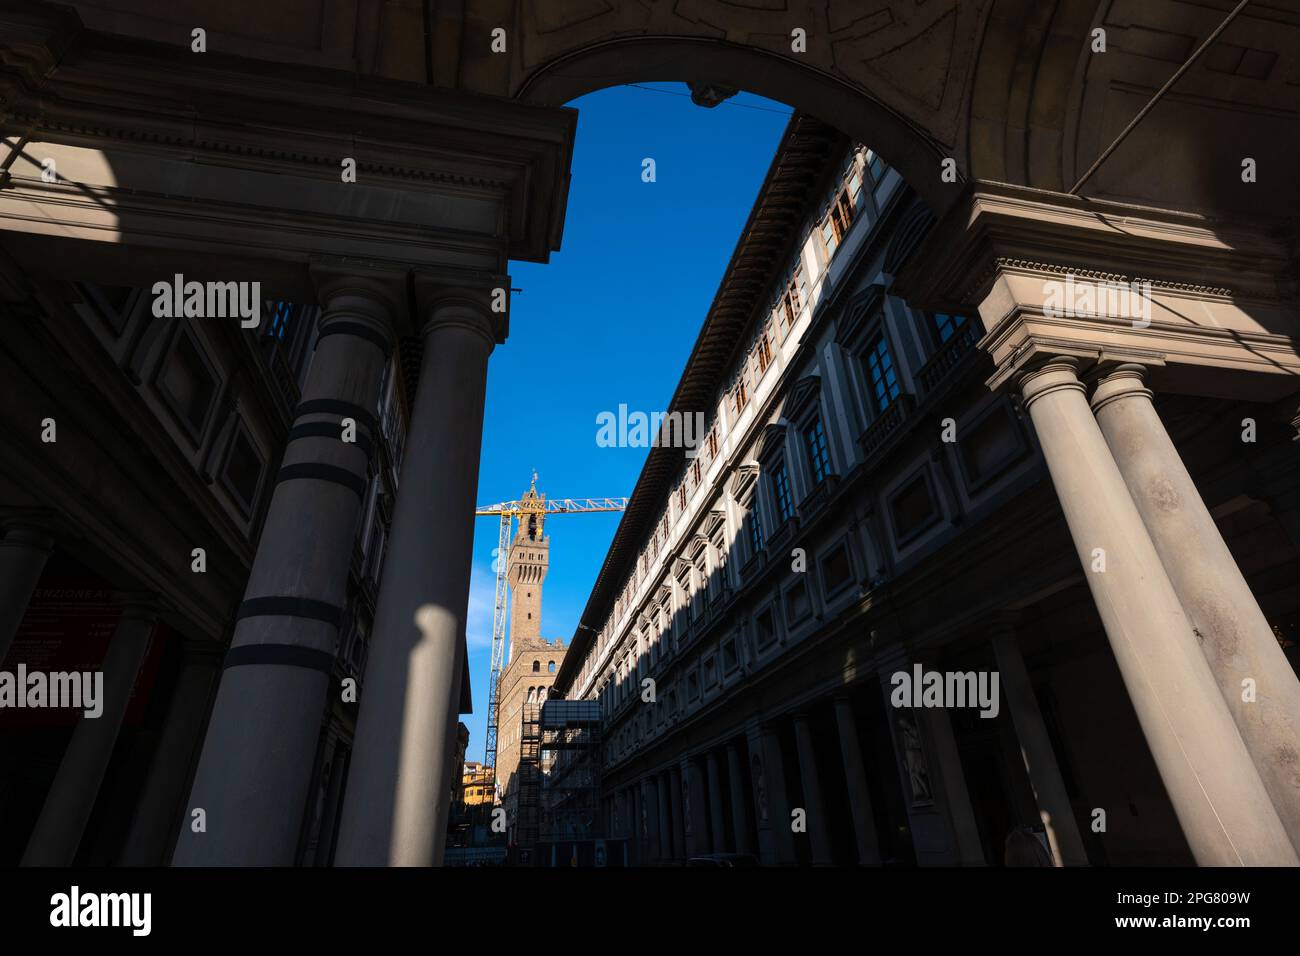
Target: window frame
(879,336)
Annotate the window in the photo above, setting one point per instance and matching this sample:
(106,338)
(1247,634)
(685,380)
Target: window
(755,532)
(781,491)
(819,459)
(830,237)
(945,326)
(843,210)
(550,667)
(876,165)
(857,195)
(281,320)
(763,352)
(764,628)
(719,542)
(699,574)
(791,301)
(537,666)
(883,375)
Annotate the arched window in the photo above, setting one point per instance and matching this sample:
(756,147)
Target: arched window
(551,667)
(537,666)
(531,691)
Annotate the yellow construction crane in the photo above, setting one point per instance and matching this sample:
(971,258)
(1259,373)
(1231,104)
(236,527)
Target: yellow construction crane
(533,503)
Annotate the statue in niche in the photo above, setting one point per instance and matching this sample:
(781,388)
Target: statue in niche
(760,788)
(918,773)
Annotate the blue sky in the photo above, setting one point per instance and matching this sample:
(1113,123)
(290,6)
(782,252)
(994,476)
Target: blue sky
(610,319)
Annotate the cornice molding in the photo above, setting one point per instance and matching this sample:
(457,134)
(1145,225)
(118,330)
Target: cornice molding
(999,227)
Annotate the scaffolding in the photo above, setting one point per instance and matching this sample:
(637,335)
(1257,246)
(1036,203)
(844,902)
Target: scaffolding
(529,777)
(570,756)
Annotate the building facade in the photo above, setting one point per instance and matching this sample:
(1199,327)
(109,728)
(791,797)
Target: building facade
(220,403)
(864,504)
(477,785)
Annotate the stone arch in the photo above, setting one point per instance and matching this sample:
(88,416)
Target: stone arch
(702,62)
(1011,89)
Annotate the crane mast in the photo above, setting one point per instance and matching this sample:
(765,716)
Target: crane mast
(508,512)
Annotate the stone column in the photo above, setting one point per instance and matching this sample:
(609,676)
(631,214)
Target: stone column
(778,800)
(818,833)
(758,789)
(1036,749)
(1231,630)
(665,821)
(654,819)
(855,774)
(153,825)
(717,823)
(23,553)
(1225,812)
(679,820)
(638,836)
(72,795)
(739,809)
(397,801)
(953,793)
(254,772)
(697,826)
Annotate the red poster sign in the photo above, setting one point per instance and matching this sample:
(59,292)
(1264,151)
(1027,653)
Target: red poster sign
(67,627)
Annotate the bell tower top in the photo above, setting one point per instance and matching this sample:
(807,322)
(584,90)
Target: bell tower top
(529,560)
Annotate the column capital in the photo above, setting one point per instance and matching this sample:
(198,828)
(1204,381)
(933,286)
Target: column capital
(138,605)
(1003,623)
(26,533)
(479,303)
(370,293)
(197,652)
(1124,381)
(1056,374)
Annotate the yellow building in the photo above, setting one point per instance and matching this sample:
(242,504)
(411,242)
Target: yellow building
(477,784)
